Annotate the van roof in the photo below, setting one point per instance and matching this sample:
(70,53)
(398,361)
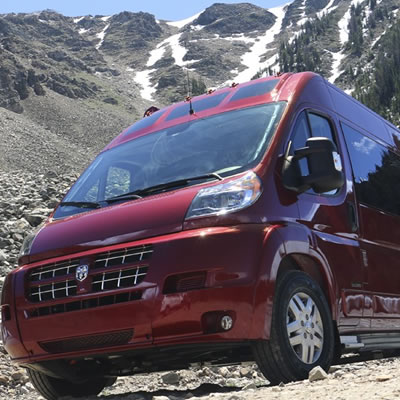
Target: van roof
(255,92)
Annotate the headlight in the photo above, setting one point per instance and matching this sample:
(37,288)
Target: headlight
(27,244)
(227,197)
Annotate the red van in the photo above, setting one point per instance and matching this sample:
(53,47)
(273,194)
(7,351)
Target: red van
(258,222)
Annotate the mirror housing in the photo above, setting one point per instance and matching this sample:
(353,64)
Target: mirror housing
(324,166)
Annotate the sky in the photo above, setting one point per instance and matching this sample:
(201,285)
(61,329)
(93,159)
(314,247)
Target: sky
(171,10)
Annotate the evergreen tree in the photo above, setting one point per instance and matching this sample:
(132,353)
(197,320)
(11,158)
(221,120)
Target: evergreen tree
(356,39)
(379,87)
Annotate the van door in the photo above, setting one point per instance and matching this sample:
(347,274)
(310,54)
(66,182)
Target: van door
(377,183)
(332,218)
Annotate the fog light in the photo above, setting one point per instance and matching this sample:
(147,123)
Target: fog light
(226,322)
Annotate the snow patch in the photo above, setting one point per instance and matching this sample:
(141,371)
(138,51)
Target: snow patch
(82,31)
(251,59)
(156,54)
(105,19)
(344,22)
(327,9)
(377,39)
(180,24)
(303,19)
(337,60)
(143,79)
(196,27)
(101,37)
(178,51)
(240,37)
(76,20)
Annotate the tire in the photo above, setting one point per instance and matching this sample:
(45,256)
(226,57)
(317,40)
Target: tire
(52,388)
(302,332)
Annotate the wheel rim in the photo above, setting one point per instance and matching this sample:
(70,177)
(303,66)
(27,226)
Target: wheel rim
(305,328)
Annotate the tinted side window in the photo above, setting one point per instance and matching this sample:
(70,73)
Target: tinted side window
(376,172)
(301,133)
(320,127)
(310,125)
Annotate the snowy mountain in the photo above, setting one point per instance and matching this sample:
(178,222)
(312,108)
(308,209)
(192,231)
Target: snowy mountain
(57,70)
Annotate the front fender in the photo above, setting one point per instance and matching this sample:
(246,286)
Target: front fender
(279,242)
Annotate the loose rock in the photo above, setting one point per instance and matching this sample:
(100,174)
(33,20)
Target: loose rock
(317,374)
(171,378)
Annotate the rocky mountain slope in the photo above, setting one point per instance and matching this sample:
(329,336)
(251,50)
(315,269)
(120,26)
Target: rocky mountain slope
(74,83)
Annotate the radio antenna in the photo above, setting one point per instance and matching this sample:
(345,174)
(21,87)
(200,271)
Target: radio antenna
(189,95)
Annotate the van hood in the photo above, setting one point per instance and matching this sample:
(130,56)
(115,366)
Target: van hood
(124,222)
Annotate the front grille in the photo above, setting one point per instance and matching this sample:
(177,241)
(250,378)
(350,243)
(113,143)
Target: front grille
(118,279)
(84,304)
(88,342)
(107,271)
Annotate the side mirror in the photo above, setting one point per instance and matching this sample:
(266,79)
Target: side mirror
(324,167)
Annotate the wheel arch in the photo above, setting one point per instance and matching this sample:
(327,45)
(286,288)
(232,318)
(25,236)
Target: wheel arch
(289,248)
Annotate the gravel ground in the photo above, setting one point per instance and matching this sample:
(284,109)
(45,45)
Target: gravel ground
(25,201)
(367,380)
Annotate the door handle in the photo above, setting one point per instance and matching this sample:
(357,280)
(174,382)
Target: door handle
(352,216)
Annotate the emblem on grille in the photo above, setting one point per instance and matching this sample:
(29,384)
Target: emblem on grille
(82,272)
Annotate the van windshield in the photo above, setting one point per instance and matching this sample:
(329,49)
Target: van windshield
(220,145)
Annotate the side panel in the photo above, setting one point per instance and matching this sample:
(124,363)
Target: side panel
(376,175)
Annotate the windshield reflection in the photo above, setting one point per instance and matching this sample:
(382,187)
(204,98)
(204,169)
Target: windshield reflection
(225,144)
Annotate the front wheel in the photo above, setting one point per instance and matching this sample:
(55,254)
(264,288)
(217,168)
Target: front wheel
(302,335)
(52,388)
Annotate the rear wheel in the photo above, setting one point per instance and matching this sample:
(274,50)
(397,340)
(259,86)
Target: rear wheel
(302,335)
(52,388)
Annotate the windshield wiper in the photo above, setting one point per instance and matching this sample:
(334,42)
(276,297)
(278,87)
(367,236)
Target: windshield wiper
(125,196)
(81,204)
(161,187)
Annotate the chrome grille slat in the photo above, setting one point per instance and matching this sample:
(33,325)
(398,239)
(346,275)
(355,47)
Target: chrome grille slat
(119,278)
(136,276)
(107,271)
(39,293)
(52,290)
(129,255)
(126,255)
(102,281)
(54,270)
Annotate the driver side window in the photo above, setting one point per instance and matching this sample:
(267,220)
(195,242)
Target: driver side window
(308,125)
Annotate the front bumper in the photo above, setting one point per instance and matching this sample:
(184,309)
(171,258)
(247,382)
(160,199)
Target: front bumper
(219,267)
